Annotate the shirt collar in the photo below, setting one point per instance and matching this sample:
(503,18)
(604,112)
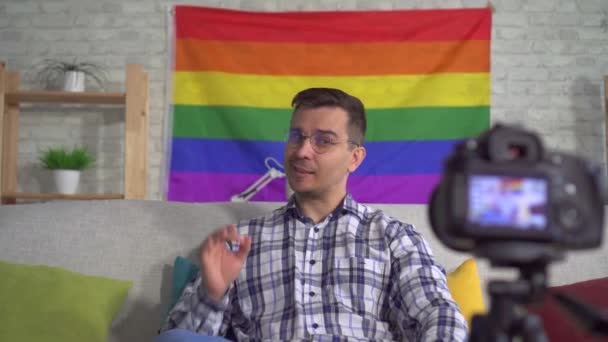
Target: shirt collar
(347,205)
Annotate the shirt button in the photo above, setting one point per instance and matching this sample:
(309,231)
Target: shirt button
(316,230)
(312,262)
(312,294)
(315,325)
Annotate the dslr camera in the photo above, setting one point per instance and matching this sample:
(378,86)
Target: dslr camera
(505,187)
(504,197)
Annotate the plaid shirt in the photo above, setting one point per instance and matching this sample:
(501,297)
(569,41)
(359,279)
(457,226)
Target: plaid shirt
(358,274)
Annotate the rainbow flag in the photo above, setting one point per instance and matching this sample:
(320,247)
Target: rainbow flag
(423,75)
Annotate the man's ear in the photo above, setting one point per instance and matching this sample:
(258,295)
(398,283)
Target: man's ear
(357,156)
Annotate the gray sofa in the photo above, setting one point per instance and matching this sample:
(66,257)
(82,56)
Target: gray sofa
(138,241)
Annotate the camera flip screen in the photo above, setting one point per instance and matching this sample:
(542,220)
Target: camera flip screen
(507,202)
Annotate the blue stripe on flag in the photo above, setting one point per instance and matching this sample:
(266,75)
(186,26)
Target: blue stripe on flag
(246,156)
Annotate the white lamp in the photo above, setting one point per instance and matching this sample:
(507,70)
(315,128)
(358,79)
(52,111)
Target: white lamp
(259,184)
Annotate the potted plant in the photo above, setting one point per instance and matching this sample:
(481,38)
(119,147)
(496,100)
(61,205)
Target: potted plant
(53,72)
(66,166)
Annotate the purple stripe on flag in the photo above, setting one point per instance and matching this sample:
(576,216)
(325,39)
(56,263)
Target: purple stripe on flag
(219,187)
(412,189)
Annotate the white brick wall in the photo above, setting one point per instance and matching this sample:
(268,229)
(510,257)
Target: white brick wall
(548,60)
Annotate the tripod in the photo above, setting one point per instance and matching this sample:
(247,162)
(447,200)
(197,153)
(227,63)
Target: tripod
(507,317)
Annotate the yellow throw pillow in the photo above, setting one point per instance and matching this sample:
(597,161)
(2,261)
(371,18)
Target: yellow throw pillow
(466,289)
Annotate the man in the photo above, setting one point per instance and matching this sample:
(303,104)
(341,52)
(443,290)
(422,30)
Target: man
(323,267)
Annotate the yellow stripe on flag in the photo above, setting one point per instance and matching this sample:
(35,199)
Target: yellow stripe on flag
(382,91)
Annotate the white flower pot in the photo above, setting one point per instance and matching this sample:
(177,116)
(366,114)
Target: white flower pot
(66,181)
(74,81)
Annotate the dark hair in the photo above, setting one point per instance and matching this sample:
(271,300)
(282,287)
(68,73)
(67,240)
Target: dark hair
(330,97)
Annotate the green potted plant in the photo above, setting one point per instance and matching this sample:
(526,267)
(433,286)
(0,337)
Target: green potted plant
(53,72)
(66,166)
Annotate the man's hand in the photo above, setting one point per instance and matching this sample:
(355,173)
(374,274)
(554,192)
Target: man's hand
(220,266)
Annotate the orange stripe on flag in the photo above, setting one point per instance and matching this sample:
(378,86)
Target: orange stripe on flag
(332,59)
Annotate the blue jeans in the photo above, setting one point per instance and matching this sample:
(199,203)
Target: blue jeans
(181,335)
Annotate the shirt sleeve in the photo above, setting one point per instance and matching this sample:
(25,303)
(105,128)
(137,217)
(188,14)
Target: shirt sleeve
(196,311)
(421,303)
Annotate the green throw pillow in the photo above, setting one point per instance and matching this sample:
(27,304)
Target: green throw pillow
(184,271)
(43,303)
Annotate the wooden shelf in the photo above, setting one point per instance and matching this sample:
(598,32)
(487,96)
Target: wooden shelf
(136,107)
(23,96)
(35,195)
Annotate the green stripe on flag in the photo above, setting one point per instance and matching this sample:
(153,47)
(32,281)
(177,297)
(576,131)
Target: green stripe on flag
(426,123)
(271,124)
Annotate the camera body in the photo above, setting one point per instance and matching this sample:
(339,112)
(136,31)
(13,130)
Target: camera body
(504,188)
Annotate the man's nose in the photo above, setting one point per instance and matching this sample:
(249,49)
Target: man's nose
(304,149)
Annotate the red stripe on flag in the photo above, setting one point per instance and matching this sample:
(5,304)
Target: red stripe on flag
(344,26)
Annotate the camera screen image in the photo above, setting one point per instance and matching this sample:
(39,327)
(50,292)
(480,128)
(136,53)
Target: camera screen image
(507,201)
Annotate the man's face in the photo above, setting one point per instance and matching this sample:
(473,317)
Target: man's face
(315,174)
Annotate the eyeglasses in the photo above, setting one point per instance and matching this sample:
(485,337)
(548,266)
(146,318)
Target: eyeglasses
(321,142)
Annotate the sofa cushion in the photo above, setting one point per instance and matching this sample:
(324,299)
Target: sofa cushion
(42,303)
(466,290)
(560,325)
(184,271)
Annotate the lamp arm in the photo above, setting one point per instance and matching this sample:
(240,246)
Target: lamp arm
(258,185)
